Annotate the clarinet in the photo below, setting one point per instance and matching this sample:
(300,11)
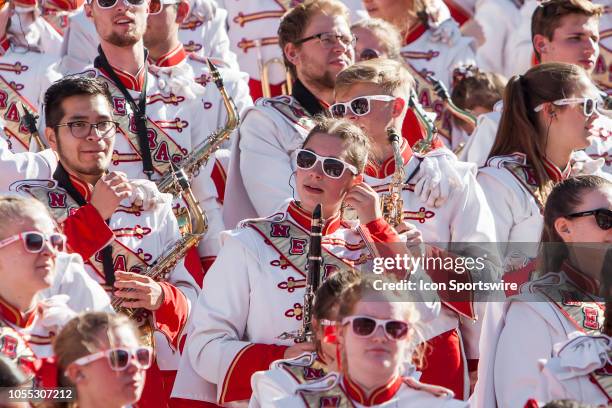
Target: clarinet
(313,280)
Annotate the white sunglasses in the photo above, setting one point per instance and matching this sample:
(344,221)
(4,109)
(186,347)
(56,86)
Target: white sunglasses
(589,105)
(332,166)
(360,106)
(119,358)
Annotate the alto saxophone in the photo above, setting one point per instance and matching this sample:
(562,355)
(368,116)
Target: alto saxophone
(191,163)
(313,280)
(170,256)
(392,203)
(424,145)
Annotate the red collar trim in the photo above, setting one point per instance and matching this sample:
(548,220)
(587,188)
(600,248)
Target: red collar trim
(5,44)
(304,218)
(12,315)
(135,83)
(378,396)
(415,33)
(388,167)
(581,280)
(554,172)
(174,57)
(84,188)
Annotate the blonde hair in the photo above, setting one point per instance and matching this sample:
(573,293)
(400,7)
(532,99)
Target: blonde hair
(14,208)
(390,75)
(363,289)
(294,22)
(385,32)
(356,142)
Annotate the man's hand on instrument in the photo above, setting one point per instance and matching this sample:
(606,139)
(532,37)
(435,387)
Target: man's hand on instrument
(141,291)
(146,195)
(299,349)
(410,231)
(109,191)
(365,201)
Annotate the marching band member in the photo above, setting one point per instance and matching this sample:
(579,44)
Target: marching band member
(285,375)
(377,332)
(100,357)
(83,194)
(317,44)
(254,291)
(31,31)
(564,300)
(548,114)
(373,94)
(24,77)
(432,46)
(376,38)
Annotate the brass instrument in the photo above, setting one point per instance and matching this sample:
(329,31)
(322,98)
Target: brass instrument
(30,122)
(313,280)
(456,111)
(264,73)
(191,163)
(424,145)
(392,203)
(171,256)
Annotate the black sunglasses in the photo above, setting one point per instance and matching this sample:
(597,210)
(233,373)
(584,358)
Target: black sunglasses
(603,217)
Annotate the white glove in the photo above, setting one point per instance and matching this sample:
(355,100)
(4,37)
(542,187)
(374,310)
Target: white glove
(56,312)
(588,166)
(203,10)
(447,32)
(428,179)
(146,195)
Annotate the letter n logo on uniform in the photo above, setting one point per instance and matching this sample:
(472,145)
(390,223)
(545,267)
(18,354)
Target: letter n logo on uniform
(591,316)
(329,402)
(279,230)
(8,346)
(57,200)
(297,246)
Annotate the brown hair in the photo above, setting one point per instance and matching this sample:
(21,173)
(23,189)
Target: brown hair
(83,336)
(547,16)
(356,142)
(14,208)
(385,32)
(363,288)
(478,88)
(520,129)
(563,200)
(392,76)
(294,22)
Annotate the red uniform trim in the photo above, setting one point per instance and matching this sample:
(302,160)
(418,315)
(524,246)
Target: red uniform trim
(172,315)
(304,218)
(219,178)
(256,91)
(381,231)
(387,168)
(252,358)
(135,83)
(86,232)
(458,13)
(174,57)
(5,44)
(15,317)
(555,173)
(378,396)
(584,282)
(414,34)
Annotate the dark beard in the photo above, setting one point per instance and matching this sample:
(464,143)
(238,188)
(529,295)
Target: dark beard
(325,81)
(122,40)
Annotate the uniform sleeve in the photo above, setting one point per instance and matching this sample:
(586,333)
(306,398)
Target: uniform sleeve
(215,36)
(180,291)
(519,49)
(495,21)
(26,165)
(216,346)
(481,140)
(86,231)
(382,232)
(80,44)
(264,164)
(500,204)
(524,339)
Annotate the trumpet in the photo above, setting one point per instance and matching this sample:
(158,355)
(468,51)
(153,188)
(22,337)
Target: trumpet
(392,203)
(264,73)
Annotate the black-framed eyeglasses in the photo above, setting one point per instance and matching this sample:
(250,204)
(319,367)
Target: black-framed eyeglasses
(81,129)
(603,217)
(328,40)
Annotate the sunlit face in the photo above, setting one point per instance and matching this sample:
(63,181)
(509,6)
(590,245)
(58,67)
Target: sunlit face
(377,355)
(113,388)
(162,25)
(120,25)
(313,185)
(585,229)
(388,10)
(23,272)
(576,41)
(314,63)
(88,156)
(368,41)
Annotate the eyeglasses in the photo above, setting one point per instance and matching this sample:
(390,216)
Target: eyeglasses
(119,358)
(603,217)
(328,40)
(106,4)
(360,106)
(34,241)
(156,6)
(365,326)
(589,105)
(368,54)
(332,167)
(81,129)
